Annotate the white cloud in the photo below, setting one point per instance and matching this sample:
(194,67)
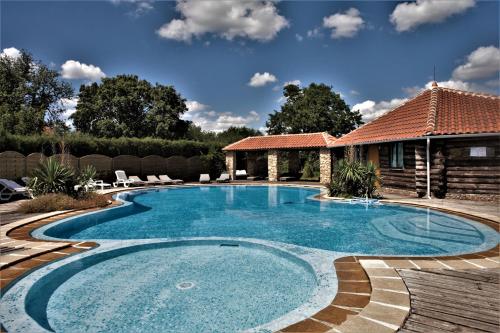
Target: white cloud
(219,121)
(195,106)
(141,7)
(259,80)
(257,20)
(371,110)
(299,37)
(344,25)
(11,52)
(314,33)
(487,87)
(69,104)
(409,15)
(72,69)
(294,82)
(482,63)
(354,92)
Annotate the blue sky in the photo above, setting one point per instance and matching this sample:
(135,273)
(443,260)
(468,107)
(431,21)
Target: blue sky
(376,54)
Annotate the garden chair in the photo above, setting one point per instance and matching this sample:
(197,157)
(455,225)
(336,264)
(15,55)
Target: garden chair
(98,183)
(168,179)
(11,188)
(224,178)
(204,178)
(241,174)
(155,180)
(121,178)
(139,182)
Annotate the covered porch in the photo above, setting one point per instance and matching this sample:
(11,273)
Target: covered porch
(282,157)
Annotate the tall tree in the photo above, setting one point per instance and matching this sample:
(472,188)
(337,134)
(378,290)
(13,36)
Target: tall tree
(127,106)
(30,95)
(316,108)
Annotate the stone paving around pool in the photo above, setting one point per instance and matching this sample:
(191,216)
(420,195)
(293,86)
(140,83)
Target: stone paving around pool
(372,296)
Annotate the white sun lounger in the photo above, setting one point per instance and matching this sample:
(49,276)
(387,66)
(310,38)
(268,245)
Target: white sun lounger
(154,180)
(121,178)
(224,178)
(166,178)
(99,184)
(138,181)
(204,178)
(11,188)
(241,174)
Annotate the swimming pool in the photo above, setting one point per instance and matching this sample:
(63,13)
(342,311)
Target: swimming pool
(283,214)
(218,259)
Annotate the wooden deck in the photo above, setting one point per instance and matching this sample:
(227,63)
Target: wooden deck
(444,301)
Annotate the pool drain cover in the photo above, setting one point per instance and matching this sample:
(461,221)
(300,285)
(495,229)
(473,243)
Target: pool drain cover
(185,285)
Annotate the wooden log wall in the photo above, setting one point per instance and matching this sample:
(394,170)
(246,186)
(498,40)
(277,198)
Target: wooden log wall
(473,177)
(399,179)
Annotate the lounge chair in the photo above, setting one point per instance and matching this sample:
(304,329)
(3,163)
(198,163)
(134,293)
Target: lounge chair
(99,184)
(121,178)
(139,182)
(166,178)
(204,178)
(11,188)
(241,174)
(154,180)
(224,178)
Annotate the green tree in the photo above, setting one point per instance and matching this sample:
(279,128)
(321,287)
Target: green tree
(233,134)
(30,95)
(316,108)
(127,106)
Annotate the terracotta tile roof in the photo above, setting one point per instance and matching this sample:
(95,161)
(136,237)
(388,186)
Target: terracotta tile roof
(284,141)
(437,111)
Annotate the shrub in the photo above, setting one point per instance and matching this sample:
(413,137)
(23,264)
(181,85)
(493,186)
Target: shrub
(58,201)
(87,174)
(352,178)
(52,177)
(214,162)
(82,144)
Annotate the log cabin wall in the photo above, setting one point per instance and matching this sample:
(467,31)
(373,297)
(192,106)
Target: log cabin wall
(398,180)
(472,177)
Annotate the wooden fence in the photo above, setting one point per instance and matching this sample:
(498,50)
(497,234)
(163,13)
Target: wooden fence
(14,165)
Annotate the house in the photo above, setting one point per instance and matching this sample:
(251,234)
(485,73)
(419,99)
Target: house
(443,143)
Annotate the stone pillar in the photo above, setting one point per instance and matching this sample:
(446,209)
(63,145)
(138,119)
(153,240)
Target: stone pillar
(293,162)
(251,163)
(273,165)
(325,165)
(231,164)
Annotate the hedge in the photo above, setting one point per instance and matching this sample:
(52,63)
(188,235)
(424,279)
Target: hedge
(80,145)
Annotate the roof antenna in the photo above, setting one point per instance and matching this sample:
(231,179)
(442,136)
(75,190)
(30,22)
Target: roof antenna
(434,83)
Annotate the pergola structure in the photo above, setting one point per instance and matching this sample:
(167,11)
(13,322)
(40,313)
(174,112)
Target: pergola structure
(274,146)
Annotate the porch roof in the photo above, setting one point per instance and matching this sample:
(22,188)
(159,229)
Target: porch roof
(283,141)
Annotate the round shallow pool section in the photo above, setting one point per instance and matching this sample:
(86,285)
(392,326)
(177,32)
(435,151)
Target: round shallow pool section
(282,214)
(225,287)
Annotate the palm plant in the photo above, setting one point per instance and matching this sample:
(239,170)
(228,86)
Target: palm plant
(353,178)
(86,175)
(52,177)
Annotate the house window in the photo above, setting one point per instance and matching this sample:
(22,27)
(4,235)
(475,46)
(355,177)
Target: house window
(478,152)
(397,155)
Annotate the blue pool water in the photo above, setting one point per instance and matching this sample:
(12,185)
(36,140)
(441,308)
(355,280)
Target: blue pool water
(183,288)
(283,214)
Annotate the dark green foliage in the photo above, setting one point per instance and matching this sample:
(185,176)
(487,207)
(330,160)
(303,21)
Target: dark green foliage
(125,106)
(30,95)
(52,177)
(214,163)
(81,145)
(313,109)
(232,134)
(353,179)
